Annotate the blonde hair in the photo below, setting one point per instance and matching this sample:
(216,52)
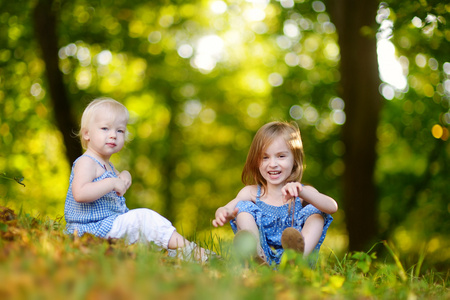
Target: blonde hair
(263,138)
(104,105)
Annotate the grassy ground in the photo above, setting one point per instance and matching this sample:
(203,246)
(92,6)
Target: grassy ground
(38,261)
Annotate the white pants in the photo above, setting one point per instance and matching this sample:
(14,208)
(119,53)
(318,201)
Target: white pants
(142,225)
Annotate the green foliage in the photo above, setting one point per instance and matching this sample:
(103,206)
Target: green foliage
(364,260)
(39,261)
(191,124)
(413,134)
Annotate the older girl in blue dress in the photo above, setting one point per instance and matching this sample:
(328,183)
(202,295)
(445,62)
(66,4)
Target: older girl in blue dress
(274,207)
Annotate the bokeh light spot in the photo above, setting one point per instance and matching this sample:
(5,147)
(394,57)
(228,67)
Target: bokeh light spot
(185,51)
(275,79)
(218,7)
(104,57)
(387,91)
(437,131)
(254,110)
(318,6)
(296,112)
(421,60)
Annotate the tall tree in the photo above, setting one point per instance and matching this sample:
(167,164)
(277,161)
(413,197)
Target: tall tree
(45,29)
(356,25)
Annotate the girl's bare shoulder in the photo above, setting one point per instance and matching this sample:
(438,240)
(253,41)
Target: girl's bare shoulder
(85,162)
(86,166)
(248,193)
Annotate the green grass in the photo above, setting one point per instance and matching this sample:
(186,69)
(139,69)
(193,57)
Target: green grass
(38,261)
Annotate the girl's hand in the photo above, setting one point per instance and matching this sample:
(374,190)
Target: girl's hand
(291,190)
(120,187)
(125,176)
(224,215)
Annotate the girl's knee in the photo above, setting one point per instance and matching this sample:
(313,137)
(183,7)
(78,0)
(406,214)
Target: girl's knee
(313,225)
(137,212)
(244,216)
(246,221)
(316,219)
(144,214)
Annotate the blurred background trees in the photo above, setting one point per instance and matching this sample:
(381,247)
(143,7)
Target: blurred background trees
(200,77)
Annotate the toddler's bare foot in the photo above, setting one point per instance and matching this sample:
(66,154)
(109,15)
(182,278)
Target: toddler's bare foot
(192,252)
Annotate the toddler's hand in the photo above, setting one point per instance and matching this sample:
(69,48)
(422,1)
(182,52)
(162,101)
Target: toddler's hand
(125,176)
(120,187)
(224,215)
(291,190)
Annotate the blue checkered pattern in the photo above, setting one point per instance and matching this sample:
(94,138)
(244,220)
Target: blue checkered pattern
(95,217)
(272,220)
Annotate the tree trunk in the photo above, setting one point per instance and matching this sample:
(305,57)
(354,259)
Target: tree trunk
(173,142)
(45,30)
(355,22)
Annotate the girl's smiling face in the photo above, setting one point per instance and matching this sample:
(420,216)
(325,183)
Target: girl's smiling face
(277,162)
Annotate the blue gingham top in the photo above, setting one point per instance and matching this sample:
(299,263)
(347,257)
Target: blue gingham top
(96,217)
(272,220)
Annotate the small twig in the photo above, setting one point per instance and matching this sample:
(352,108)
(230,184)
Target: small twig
(16,179)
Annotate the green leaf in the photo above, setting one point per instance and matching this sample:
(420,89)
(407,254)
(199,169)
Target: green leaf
(3,227)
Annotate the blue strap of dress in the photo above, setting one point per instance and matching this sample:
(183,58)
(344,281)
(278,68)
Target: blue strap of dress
(258,193)
(96,160)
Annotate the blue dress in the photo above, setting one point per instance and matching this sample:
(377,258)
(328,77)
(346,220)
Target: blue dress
(272,220)
(95,217)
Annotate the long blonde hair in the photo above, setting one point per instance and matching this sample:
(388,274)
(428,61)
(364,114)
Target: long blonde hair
(263,138)
(102,104)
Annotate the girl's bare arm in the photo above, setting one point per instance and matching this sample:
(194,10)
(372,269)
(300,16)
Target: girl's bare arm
(84,190)
(311,195)
(228,212)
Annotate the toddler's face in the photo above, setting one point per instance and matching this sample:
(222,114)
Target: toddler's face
(277,162)
(106,133)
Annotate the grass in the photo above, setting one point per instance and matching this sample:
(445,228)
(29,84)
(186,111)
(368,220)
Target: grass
(38,261)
